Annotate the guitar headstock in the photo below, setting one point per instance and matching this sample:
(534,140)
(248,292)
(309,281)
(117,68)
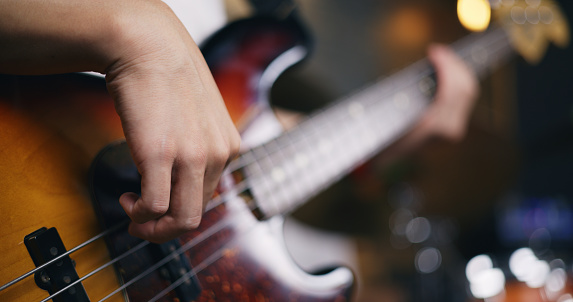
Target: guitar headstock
(532,25)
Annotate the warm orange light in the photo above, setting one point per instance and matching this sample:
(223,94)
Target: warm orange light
(474,14)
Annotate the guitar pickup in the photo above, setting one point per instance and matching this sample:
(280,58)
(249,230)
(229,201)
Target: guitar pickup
(44,245)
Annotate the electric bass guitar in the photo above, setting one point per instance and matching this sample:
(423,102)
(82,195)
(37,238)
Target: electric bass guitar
(63,167)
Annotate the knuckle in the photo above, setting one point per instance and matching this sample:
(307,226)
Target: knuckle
(166,151)
(220,156)
(196,156)
(158,208)
(188,224)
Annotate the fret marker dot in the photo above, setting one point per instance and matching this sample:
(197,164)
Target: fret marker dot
(355,109)
(278,175)
(401,101)
(301,160)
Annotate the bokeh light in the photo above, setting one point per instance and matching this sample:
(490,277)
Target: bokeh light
(474,15)
(428,260)
(477,265)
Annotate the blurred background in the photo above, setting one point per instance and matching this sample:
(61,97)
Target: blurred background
(419,220)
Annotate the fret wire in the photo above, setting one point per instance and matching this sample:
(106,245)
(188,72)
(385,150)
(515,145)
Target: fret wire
(280,185)
(310,156)
(363,126)
(495,42)
(348,130)
(293,175)
(346,138)
(238,164)
(501,49)
(259,187)
(313,158)
(500,52)
(372,99)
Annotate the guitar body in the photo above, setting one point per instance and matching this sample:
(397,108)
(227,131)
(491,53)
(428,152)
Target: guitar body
(52,128)
(44,173)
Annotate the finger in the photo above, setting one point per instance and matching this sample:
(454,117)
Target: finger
(456,93)
(438,56)
(453,75)
(213,174)
(155,194)
(186,199)
(185,207)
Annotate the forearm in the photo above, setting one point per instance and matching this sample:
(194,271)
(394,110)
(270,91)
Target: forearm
(58,36)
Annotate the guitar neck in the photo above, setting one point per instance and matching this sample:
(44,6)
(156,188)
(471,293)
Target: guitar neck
(285,172)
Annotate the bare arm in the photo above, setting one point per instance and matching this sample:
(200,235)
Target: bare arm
(175,122)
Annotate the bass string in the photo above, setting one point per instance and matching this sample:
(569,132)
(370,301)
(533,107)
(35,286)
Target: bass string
(200,267)
(496,43)
(213,203)
(78,247)
(491,39)
(197,268)
(192,243)
(127,253)
(218,254)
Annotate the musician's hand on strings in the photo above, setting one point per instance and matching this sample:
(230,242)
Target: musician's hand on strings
(176,125)
(174,119)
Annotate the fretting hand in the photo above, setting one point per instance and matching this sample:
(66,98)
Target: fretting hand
(448,115)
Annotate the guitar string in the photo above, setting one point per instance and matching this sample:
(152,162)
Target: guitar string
(97,270)
(105,233)
(187,246)
(209,207)
(204,264)
(185,277)
(212,204)
(492,37)
(89,241)
(196,240)
(199,267)
(495,39)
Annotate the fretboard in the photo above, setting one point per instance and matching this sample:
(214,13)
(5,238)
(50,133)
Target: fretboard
(287,171)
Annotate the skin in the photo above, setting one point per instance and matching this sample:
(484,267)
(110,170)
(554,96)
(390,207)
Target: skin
(174,119)
(456,94)
(448,115)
